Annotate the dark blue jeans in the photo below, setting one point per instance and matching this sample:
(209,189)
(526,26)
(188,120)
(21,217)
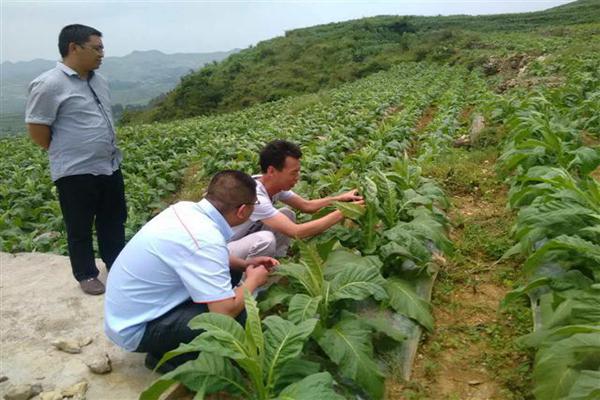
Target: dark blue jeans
(88,200)
(171,329)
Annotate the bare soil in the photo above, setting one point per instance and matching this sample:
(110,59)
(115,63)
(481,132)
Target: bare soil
(426,118)
(464,358)
(41,302)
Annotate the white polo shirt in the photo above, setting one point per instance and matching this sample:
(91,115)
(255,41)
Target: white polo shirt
(164,265)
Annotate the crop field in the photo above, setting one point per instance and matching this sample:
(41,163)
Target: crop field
(353,304)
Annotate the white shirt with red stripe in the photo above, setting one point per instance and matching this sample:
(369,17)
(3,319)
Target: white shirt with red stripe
(180,254)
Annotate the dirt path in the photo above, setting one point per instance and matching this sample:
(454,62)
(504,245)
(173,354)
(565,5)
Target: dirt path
(472,353)
(39,303)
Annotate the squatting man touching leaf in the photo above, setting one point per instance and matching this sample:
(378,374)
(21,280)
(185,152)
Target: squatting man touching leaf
(268,231)
(178,266)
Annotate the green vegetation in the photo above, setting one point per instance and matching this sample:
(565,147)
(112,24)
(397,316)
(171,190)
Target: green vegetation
(353,296)
(557,228)
(311,59)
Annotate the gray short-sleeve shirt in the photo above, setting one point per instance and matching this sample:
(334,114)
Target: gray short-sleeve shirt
(80,119)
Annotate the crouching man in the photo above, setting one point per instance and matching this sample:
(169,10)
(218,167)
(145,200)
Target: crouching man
(268,231)
(177,267)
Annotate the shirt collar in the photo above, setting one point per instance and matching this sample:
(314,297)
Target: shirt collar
(70,71)
(216,217)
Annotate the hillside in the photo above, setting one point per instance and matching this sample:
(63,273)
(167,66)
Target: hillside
(310,59)
(134,79)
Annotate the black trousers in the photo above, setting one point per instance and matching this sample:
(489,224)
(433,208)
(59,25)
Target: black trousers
(171,329)
(86,200)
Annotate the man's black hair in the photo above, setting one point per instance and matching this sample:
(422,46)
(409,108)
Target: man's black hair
(78,34)
(275,152)
(230,189)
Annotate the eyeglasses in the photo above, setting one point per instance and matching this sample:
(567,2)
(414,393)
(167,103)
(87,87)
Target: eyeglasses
(97,49)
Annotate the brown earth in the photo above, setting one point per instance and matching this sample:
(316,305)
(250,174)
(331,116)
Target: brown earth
(471,354)
(426,118)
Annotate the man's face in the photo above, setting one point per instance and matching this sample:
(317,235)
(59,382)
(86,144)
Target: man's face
(289,174)
(90,54)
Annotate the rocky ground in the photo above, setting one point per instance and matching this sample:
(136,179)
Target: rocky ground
(40,306)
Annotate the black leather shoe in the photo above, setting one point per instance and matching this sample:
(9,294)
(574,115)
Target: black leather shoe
(92,286)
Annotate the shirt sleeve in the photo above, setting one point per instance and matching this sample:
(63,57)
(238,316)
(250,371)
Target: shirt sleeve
(206,275)
(264,209)
(286,194)
(42,103)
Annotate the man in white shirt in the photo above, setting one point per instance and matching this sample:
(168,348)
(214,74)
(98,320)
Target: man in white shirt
(178,266)
(269,229)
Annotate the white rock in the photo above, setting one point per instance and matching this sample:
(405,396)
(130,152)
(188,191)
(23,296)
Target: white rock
(99,363)
(85,341)
(67,345)
(51,395)
(22,392)
(77,391)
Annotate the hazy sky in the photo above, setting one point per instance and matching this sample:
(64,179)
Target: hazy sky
(30,28)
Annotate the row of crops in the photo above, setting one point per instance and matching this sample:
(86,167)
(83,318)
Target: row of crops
(549,157)
(358,289)
(156,156)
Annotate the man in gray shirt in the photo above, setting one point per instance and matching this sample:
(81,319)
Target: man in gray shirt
(69,114)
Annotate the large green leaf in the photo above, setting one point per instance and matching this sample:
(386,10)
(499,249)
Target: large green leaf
(405,301)
(223,335)
(254,333)
(313,387)
(294,370)
(586,159)
(579,246)
(586,387)
(303,307)
(207,374)
(551,218)
(558,366)
(350,210)
(274,296)
(405,244)
(309,256)
(299,274)
(381,322)
(358,282)
(388,196)
(348,344)
(523,290)
(547,336)
(339,259)
(284,341)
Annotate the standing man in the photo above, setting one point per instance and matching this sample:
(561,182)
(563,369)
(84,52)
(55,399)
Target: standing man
(268,231)
(178,266)
(69,114)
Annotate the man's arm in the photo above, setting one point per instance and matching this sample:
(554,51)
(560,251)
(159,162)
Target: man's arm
(240,264)
(312,206)
(283,224)
(40,134)
(256,276)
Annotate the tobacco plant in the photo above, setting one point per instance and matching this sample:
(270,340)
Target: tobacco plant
(248,363)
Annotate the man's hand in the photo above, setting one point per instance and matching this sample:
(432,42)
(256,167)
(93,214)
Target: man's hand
(349,196)
(268,262)
(257,275)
